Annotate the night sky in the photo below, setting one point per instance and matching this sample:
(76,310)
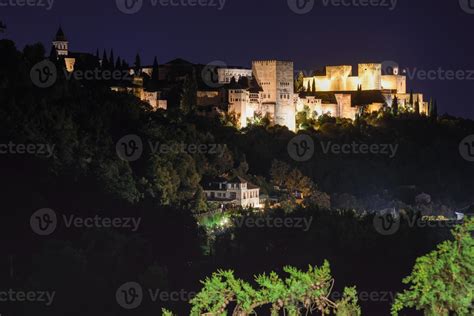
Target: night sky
(422,34)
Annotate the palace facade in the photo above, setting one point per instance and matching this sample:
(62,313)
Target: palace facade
(267,89)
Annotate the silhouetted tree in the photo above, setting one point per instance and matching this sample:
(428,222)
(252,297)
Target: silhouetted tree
(188,101)
(138,64)
(53,55)
(313,88)
(395,105)
(3,27)
(299,82)
(417,106)
(112,59)
(118,64)
(434,110)
(155,73)
(125,64)
(105,60)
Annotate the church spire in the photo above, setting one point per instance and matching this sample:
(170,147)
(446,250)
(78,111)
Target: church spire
(61,43)
(60,37)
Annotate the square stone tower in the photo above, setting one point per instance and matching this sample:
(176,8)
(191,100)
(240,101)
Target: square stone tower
(370,76)
(276,79)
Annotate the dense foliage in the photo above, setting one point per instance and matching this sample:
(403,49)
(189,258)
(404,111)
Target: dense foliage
(442,282)
(303,292)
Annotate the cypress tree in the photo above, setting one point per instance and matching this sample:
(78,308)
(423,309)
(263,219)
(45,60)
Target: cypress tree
(118,64)
(53,55)
(435,109)
(431,108)
(189,94)
(138,64)
(313,89)
(112,59)
(124,65)
(105,60)
(155,73)
(395,105)
(299,82)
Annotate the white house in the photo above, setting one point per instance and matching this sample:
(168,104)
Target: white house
(236,191)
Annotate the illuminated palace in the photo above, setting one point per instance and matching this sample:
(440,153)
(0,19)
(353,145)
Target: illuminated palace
(268,88)
(336,92)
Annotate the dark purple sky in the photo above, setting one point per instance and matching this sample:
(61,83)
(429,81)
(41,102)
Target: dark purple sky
(421,34)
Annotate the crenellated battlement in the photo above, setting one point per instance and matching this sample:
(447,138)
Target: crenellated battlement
(272,61)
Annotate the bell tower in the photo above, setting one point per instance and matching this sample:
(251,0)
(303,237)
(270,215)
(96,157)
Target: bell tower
(61,43)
